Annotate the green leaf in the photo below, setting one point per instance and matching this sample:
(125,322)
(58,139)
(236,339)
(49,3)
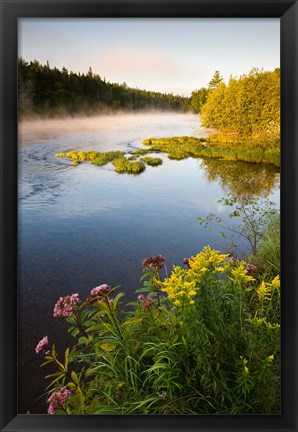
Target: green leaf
(117,298)
(75,378)
(83,340)
(84,314)
(54,375)
(79,401)
(108,346)
(94,406)
(66,358)
(54,381)
(133,321)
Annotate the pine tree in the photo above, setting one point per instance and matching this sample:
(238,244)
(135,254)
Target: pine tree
(216,79)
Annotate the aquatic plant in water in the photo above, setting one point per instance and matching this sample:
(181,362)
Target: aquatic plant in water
(123,165)
(152,161)
(141,152)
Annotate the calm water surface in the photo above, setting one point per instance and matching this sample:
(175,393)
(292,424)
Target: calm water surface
(83,226)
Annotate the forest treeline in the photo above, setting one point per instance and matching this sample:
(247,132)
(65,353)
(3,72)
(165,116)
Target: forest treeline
(248,106)
(43,90)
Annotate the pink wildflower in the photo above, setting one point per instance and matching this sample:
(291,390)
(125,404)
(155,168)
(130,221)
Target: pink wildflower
(251,269)
(186,262)
(100,290)
(98,293)
(51,409)
(58,399)
(230,259)
(147,302)
(154,263)
(64,306)
(42,344)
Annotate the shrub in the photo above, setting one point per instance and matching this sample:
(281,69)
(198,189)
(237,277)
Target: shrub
(248,106)
(268,252)
(253,214)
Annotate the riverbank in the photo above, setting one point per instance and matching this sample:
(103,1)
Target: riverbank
(253,150)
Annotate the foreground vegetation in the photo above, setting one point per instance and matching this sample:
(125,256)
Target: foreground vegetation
(201,339)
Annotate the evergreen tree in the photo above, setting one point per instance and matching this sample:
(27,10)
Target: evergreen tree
(44,90)
(216,79)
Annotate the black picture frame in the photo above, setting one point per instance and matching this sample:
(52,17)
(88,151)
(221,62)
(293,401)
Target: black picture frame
(287,11)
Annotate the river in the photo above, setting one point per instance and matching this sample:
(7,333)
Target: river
(83,226)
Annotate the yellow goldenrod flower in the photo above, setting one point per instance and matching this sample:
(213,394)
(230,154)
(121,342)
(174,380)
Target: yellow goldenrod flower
(203,270)
(180,286)
(220,269)
(258,322)
(271,326)
(208,259)
(239,274)
(276,282)
(263,291)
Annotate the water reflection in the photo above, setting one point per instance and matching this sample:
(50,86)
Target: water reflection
(243,180)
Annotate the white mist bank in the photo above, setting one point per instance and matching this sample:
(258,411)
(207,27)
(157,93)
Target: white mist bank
(35,129)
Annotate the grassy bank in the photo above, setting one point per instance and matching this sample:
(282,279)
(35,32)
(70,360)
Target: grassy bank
(253,150)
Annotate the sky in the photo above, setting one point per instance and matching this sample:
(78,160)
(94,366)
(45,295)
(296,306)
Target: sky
(168,55)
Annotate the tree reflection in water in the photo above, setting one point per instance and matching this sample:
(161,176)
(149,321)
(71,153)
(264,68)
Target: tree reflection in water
(243,180)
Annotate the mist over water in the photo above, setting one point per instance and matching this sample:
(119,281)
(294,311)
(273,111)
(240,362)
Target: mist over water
(83,226)
(36,129)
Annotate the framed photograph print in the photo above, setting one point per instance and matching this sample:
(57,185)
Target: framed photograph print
(148,215)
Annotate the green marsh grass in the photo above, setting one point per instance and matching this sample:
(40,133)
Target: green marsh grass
(141,152)
(152,161)
(96,158)
(233,149)
(123,165)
